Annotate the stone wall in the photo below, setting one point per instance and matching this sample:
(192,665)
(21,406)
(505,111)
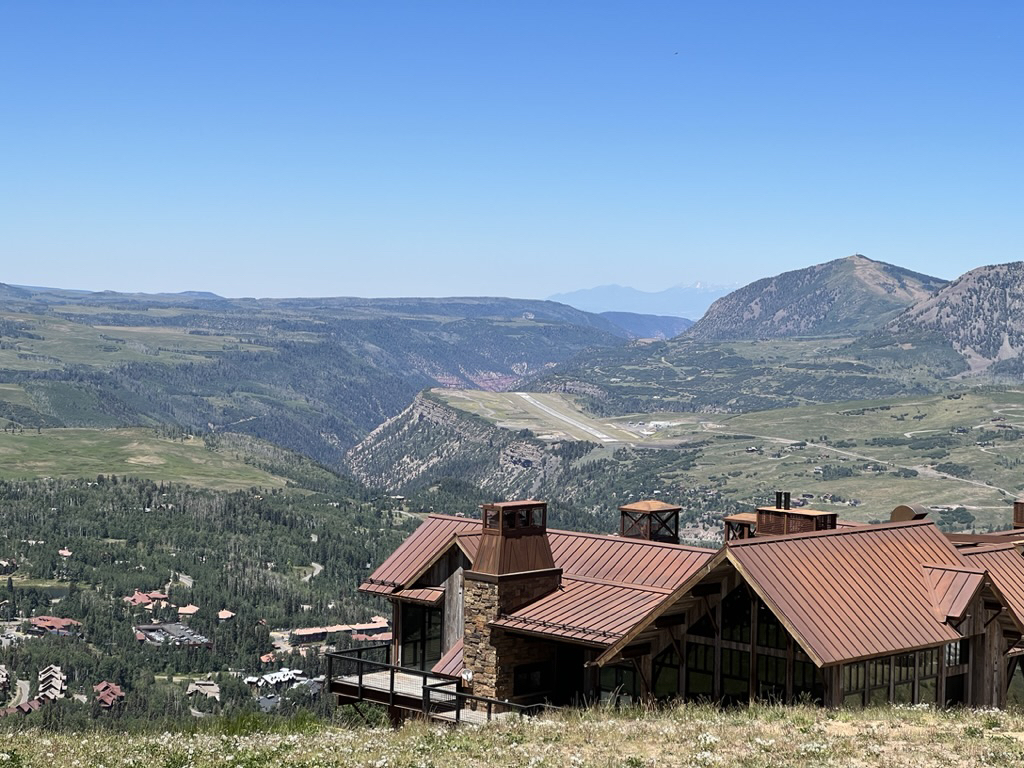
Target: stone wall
(491,653)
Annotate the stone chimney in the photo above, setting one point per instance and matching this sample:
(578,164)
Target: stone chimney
(513,567)
(1018,514)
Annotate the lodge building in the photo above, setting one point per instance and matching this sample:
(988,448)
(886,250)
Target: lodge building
(796,605)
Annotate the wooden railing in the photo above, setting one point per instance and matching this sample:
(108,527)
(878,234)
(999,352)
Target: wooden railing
(437,698)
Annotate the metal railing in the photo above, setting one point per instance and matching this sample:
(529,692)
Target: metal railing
(437,697)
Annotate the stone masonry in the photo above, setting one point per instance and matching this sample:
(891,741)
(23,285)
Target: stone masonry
(491,653)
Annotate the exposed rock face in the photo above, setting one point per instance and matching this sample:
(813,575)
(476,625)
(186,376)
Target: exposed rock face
(845,296)
(429,439)
(981,314)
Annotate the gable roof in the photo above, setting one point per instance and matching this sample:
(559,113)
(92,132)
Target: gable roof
(425,544)
(953,588)
(609,558)
(820,585)
(1005,565)
(850,594)
(609,582)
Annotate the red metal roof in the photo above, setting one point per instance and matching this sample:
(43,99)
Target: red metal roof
(625,561)
(425,544)
(854,593)
(451,664)
(593,556)
(429,595)
(592,612)
(953,589)
(609,583)
(1005,566)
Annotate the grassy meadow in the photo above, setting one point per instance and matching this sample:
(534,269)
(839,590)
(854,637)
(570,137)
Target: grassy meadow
(800,737)
(142,453)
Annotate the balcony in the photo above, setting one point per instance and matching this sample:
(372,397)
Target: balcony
(364,674)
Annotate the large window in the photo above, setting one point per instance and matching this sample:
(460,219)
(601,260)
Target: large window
(619,681)
(807,680)
(770,632)
(912,677)
(667,666)
(771,678)
(420,636)
(735,676)
(736,615)
(700,671)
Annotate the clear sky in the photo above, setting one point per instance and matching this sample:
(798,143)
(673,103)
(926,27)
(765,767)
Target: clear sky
(502,148)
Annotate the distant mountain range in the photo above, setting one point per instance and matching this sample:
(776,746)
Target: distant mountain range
(841,297)
(689,301)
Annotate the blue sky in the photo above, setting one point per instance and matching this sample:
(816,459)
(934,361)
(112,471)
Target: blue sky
(514,148)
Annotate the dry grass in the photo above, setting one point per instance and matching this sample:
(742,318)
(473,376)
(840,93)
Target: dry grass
(681,736)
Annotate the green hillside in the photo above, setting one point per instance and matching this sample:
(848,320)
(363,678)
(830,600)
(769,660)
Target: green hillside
(684,375)
(312,375)
(151,454)
(961,453)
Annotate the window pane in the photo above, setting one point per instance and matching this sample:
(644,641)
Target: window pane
(927,690)
(736,615)
(700,667)
(666,673)
(903,693)
(878,672)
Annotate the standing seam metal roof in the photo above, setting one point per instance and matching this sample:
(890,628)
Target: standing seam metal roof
(854,593)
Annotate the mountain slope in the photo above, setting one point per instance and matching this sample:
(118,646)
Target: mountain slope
(845,296)
(981,314)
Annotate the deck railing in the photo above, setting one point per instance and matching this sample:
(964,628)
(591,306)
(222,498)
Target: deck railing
(367,669)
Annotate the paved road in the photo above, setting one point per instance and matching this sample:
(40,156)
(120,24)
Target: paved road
(316,572)
(21,691)
(567,419)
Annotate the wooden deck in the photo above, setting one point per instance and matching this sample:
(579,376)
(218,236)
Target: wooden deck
(405,691)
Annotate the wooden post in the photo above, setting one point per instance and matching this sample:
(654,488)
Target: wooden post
(752,691)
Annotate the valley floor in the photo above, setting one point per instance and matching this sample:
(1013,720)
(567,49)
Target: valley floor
(680,736)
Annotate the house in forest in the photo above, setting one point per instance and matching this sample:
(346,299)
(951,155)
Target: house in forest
(796,605)
(108,694)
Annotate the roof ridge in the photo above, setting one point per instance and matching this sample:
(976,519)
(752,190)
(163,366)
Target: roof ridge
(829,533)
(622,584)
(956,568)
(586,534)
(968,551)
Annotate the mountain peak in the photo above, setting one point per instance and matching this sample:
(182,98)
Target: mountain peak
(849,295)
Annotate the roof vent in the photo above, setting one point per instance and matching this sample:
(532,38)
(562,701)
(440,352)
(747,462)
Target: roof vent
(906,512)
